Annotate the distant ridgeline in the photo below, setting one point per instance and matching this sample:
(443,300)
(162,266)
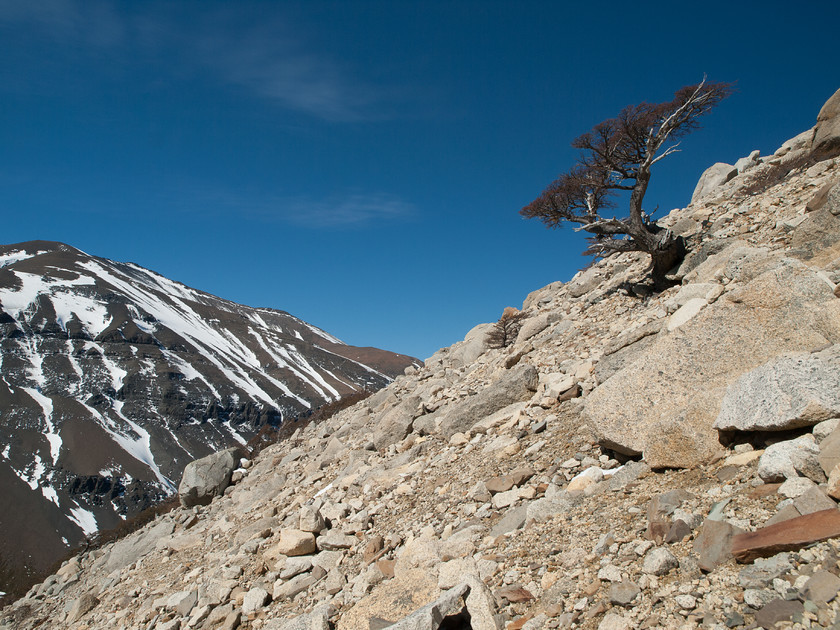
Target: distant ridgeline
(114,378)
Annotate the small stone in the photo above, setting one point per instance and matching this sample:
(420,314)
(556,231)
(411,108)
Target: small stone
(822,587)
(254,600)
(613,621)
(310,520)
(610,573)
(686,602)
(757,598)
(778,610)
(623,593)
(294,542)
(659,561)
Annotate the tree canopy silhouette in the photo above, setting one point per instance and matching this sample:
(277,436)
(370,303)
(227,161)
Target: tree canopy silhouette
(617,155)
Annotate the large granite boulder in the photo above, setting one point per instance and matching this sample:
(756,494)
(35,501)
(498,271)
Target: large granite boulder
(826,142)
(789,392)
(207,477)
(664,404)
(713,177)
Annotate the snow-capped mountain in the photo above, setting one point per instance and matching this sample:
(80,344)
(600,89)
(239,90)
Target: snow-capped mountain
(113,378)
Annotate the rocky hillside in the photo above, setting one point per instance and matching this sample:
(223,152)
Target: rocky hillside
(114,378)
(633,460)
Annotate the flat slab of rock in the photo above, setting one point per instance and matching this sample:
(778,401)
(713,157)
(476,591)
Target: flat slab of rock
(789,535)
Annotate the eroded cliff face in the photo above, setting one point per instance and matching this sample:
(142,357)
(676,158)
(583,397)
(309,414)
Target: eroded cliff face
(114,378)
(590,475)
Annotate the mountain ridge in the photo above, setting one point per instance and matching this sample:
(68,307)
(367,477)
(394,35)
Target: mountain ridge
(115,377)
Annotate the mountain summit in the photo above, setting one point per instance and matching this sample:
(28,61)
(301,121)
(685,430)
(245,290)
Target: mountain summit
(114,378)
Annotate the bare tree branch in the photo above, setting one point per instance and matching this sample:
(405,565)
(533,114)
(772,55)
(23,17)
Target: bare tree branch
(617,155)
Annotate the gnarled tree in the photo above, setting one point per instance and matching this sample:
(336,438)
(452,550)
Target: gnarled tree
(617,155)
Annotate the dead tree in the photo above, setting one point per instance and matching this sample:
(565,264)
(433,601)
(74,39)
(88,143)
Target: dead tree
(505,330)
(617,155)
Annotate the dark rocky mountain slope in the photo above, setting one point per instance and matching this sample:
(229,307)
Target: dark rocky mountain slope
(113,378)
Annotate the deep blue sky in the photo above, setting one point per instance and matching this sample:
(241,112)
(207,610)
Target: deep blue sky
(362,164)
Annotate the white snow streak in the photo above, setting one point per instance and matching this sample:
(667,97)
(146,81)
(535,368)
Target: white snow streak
(84,519)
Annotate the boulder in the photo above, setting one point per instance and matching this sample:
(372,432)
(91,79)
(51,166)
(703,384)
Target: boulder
(746,163)
(713,177)
(396,423)
(826,143)
(789,458)
(294,542)
(777,305)
(514,385)
(472,347)
(207,477)
(789,392)
(585,281)
(535,325)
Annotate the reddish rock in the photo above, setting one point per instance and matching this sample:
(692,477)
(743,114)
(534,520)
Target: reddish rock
(506,482)
(789,535)
(373,549)
(513,594)
(386,567)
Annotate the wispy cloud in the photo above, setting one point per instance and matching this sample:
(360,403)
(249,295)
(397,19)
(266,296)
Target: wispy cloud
(350,211)
(267,56)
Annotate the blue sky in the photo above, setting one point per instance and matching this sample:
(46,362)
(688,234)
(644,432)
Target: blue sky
(362,164)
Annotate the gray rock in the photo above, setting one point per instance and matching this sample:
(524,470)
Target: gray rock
(254,600)
(535,325)
(430,616)
(584,282)
(631,471)
(829,456)
(81,607)
(713,544)
(473,346)
(310,519)
(789,392)
(182,602)
(396,423)
(746,163)
(813,500)
(764,570)
(543,509)
(133,547)
(788,458)
(511,521)
(817,238)
(713,177)
(776,610)
(659,561)
(207,477)
(623,593)
(514,385)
